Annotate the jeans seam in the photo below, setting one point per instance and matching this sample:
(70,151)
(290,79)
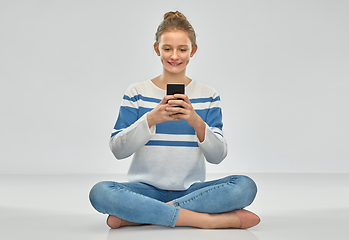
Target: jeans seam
(213,183)
(194,189)
(214,187)
(120,185)
(177,208)
(125,189)
(175,216)
(191,199)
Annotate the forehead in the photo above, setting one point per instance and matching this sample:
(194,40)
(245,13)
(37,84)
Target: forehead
(177,38)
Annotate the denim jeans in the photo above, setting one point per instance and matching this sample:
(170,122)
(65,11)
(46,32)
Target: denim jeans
(143,203)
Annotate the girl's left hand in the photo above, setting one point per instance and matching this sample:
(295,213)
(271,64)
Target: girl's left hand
(182,109)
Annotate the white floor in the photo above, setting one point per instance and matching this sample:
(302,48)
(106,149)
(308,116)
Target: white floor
(291,206)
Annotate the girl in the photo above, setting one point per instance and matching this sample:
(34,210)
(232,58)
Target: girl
(171,137)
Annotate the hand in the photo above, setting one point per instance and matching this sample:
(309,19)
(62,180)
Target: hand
(182,109)
(159,114)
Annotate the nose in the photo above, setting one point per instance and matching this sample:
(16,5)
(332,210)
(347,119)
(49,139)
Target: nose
(174,55)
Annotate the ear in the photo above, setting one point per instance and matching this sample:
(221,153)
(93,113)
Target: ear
(193,51)
(156,49)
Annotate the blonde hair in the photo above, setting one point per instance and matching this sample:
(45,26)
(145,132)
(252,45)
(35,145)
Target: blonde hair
(175,21)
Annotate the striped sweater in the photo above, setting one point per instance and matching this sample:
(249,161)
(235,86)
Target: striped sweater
(169,155)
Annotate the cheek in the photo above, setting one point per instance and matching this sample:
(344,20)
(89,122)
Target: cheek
(187,58)
(164,56)
(184,56)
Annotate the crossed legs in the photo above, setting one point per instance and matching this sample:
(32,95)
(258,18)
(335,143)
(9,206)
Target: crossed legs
(234,219)
(215,204)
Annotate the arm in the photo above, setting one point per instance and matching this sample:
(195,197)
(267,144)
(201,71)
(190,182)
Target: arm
(130,132)
(129,140)
(214,146)
(209,133)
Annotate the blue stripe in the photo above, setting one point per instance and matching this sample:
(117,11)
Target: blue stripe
(143,110)
(127,116)
(175,127)
(205,100)
(156,100)
(140,97)
(219,133)
(212,116)
(172,143)
(113,134)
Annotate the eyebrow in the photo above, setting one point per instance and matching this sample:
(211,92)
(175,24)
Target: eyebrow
(168,45)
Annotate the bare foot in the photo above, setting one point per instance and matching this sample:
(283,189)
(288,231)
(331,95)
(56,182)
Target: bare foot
(225,220)
(248,219)
(115,222)
(236,219)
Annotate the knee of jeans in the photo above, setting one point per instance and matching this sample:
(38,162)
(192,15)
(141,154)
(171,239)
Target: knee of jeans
(250,188)
(98,194)
(247,188)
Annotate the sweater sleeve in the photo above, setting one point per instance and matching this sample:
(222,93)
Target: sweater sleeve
(131,131)
(214,147)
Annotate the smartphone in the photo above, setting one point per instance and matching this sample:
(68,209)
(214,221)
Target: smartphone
(173,88)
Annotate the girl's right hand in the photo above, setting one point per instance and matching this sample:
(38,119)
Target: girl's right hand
(159,113)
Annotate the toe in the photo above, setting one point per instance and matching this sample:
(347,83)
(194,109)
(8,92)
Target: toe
(113,222)
(248,219)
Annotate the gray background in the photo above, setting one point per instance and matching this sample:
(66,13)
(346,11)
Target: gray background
(281,68)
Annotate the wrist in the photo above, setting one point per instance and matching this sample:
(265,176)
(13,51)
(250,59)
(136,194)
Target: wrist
(201,125)
(200,129)
(150,120)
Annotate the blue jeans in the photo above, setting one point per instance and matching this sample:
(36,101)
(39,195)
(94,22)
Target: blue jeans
(143,203)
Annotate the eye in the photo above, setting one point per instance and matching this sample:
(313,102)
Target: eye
(166,49)
(184,50)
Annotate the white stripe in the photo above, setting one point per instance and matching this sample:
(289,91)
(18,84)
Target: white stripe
(117,130)
(214,129)
(127,103)
(147,104)
(202,106)
(196,106)
(174,137)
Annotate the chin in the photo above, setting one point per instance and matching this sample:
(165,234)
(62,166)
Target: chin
(176,70)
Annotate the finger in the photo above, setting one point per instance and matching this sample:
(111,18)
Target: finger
(176,103)
(174,110)
(176,117)
(182,96)
(166,98)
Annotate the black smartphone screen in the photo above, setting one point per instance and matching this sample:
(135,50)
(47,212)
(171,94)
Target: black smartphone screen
(173,88)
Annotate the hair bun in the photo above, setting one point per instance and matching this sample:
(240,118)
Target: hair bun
(175,21)
(174,14)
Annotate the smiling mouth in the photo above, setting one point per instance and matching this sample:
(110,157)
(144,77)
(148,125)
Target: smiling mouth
(174,64)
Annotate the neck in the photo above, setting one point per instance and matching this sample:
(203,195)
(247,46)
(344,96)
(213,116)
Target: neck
(167,77)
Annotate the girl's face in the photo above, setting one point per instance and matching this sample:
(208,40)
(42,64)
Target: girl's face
(175,50)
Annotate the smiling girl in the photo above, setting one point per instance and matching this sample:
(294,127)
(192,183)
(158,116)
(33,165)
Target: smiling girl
(171,137)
